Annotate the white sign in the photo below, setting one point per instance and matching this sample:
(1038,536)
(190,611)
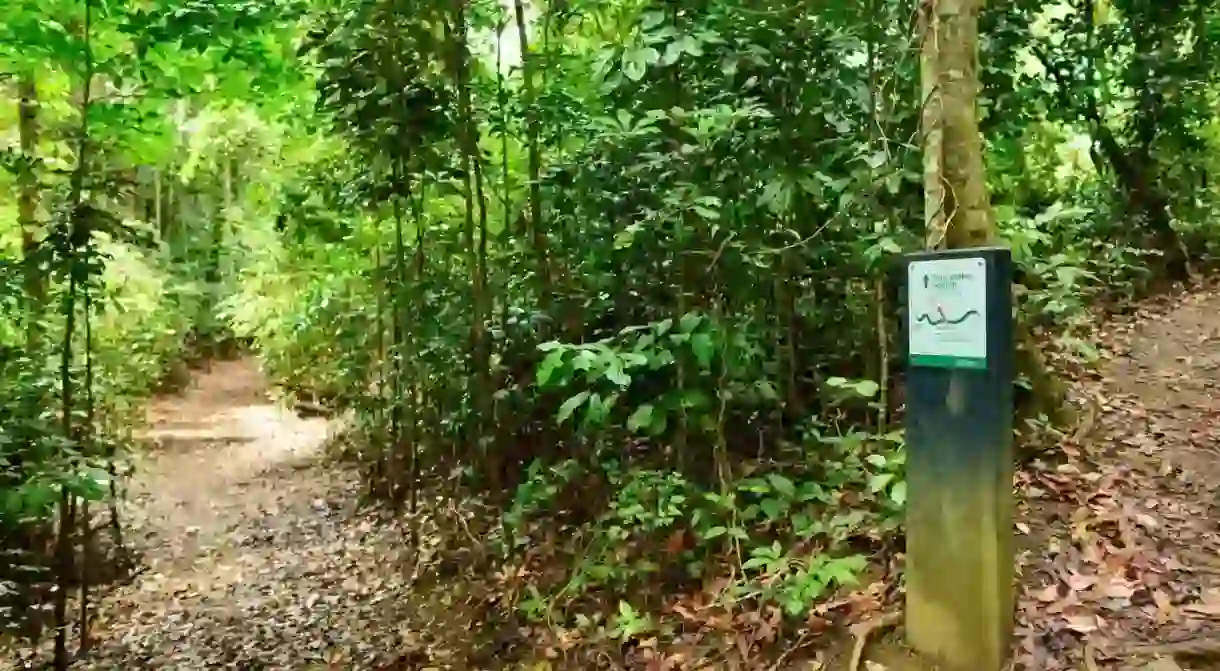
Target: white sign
(947,312)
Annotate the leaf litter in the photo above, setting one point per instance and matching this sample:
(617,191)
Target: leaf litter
(1127,566)
(256,554)
(258,557)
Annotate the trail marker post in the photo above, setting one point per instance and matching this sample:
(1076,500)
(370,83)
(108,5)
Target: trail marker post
(959,422)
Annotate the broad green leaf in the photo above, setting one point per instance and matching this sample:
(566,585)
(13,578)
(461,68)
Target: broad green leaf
(635,64)
(569,406)
(772,508)
(641,418)
(548,367)
(878,482)
(701,344)
(690,321)
(845,570)
(782,485)
(616,374)
(754,563)
(899,493)
(584,360)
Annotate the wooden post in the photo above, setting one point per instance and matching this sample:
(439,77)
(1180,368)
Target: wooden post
(959,415)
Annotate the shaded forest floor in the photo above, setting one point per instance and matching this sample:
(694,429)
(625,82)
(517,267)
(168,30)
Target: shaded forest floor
(257,555)
(1120,533)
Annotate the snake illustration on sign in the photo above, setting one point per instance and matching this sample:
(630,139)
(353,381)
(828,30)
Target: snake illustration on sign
(947,304)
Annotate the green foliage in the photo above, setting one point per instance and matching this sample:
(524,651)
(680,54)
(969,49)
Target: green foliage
(792,535)
(111,259)
(635,283)
(629,277)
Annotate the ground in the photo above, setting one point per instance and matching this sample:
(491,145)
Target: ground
(1123,551)
(257,556)
(255,553)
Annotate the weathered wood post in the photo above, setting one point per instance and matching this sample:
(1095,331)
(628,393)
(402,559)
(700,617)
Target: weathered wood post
(959,420)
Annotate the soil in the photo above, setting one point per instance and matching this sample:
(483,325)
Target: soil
(1131,559)
(257,555)
(1117,528)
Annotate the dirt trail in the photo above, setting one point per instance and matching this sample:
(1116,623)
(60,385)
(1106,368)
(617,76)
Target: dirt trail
(258,559)
(1123,535)
(255,556)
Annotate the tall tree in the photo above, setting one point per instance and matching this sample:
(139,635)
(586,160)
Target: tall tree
(532,130)
(957,203)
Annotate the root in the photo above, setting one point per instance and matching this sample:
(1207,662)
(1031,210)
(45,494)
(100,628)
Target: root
(1196,647)
(865,629)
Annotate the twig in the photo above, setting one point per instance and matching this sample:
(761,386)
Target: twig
(865,629)
(1197,647)
(720,251)
(800,643)
(462,521)
(1090,656)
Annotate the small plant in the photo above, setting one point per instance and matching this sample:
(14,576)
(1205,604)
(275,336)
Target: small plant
(629,623)
(796,582)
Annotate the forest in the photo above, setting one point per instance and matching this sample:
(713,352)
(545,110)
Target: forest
(598,301)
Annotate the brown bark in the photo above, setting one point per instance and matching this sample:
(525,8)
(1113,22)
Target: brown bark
(477,252)
(957,203)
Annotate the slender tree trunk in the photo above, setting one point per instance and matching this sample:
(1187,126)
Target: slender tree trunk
(932,120)
(493,457)
(537,225)
(158,203)
(476,250)
(80,238)
(172,207)
(27,199)
(384,475)
(398,314)
(27,219)
(957,205)
(420,389)
(86,450)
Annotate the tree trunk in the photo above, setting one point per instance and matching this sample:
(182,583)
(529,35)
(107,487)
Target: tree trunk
(537,226)
(34,282)
(27,196)
(477,252)
(957,204)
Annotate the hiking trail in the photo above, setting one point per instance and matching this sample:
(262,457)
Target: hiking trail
(254,554)
(257,557)
(1118,533)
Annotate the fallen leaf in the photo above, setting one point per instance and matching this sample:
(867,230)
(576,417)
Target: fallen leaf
(1047,594)
(1202,608)
(1083,623)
